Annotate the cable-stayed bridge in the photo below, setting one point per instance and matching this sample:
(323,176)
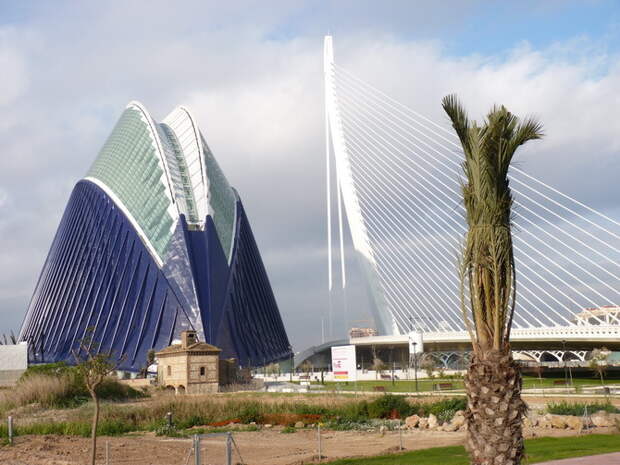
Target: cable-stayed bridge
(398,178)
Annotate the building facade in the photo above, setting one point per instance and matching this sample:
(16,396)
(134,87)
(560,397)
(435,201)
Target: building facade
(154,241)
(190,367)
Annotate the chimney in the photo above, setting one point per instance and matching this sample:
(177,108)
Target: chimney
(188,338)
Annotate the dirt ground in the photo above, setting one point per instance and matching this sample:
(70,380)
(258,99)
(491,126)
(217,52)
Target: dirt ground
(266,447)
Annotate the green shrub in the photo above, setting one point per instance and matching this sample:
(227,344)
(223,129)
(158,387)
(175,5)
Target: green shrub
(111,389)
(578,409)
(445,409)
(388,405)
(288,430)
(250,412)
(48,369)
(191,421)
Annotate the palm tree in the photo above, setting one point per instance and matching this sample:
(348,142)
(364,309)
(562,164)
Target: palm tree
(487,269)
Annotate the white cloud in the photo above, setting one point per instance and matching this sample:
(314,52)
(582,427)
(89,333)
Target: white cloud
(259,102)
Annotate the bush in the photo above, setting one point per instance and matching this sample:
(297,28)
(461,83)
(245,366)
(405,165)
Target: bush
(445,409)
(288,429)
(389,406)
(250,413)
(111,389)
(58,385)
(579,409)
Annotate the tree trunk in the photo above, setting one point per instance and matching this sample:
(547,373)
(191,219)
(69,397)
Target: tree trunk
(494,409)
(93,433)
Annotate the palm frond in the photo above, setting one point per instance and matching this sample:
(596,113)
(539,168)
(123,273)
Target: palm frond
(487,260)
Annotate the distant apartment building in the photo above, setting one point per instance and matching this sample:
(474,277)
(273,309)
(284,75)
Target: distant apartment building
(362,332)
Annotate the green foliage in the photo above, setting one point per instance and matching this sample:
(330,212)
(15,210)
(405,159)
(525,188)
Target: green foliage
(487,265)
(250,413)
(70,428)
(190,413)
(388,406)
(288,430)
(111,389)
(445,409)
(191,421)
(68,387)
(48,369)
(578,409)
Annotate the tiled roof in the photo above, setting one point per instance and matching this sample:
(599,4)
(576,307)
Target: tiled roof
(196,347)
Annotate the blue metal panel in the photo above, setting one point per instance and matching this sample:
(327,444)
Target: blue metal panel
(100,277)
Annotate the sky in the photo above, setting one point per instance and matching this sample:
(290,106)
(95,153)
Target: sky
(251,72)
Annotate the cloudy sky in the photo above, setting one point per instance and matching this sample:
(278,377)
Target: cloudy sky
(252,74)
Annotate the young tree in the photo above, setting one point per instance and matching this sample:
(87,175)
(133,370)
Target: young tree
(487,270)
(429,365)
(538,370)
(93,367)
(598,363)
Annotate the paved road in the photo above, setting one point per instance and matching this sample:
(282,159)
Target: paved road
(605,459)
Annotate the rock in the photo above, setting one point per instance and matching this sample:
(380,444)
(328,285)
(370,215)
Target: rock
(299,424)
(533,419)
(602,419)
(382,430)
(450,427)
(423,423)
(544,422)
(527,423)
(267,426)
(458,420)
(557,421)
(432,421)
(253,423)
(574,423)
(412,421)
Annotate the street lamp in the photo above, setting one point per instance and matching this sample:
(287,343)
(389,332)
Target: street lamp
(290,349)
(415,365)
(564,360)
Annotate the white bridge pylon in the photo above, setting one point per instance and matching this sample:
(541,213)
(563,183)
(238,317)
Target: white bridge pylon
(398,175)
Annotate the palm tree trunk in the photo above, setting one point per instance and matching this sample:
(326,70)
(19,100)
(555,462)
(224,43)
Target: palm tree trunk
(494,409)
(93,433)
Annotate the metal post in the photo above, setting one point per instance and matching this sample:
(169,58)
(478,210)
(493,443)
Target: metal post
(169,419)
(229,448)
(318,431)
(197,460)
(564,360)
(415,366)
(107,453)
(10,429)
(400,433)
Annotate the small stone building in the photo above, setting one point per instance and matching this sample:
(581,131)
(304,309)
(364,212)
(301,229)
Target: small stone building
(191,367)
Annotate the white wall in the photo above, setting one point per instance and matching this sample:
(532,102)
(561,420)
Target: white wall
(13,362)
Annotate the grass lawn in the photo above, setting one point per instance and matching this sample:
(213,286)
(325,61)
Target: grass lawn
(537,450)
(425,385)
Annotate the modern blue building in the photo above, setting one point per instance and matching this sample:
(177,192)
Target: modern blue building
(154,241)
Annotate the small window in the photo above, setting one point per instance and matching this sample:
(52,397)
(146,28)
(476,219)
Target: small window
(202,371)
(169,370)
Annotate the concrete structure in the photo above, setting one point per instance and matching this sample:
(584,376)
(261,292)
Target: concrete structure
(13,362)
(154,241)
(190,367)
